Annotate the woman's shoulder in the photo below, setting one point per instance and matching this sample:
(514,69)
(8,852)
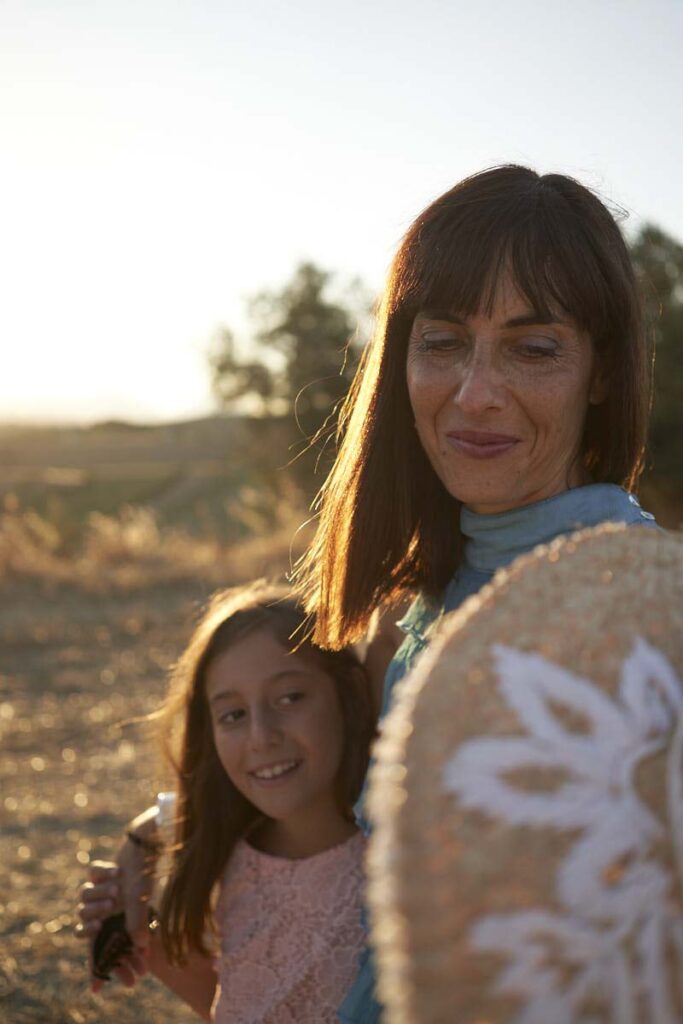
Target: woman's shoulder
(626,505)
(596,503)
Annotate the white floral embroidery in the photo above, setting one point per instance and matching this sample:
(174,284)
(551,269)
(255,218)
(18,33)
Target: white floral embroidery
(618,946)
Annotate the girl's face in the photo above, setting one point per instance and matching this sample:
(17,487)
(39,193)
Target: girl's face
(500,401)
(278,730)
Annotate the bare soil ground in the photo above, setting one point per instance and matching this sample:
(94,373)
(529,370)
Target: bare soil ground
(78,661)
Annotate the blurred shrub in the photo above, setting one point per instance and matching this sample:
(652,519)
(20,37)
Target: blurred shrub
(132,551)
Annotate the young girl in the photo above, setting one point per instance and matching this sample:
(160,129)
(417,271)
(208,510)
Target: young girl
(271,755)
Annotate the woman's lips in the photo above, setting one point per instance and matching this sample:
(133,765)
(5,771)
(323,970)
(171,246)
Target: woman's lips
(478,444)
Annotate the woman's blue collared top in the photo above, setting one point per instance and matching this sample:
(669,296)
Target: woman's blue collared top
(491,542)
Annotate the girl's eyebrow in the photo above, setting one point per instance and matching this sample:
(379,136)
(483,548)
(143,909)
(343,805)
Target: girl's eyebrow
(223,695)
(283,674)
(530,319)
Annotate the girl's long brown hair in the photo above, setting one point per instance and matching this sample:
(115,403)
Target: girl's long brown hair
(211,814)
(387,524)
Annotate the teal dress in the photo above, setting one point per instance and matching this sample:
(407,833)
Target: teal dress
(491,542)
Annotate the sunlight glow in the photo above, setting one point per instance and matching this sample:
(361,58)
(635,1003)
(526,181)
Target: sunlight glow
(161,162)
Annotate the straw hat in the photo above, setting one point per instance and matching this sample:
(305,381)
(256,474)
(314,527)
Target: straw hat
(527,860)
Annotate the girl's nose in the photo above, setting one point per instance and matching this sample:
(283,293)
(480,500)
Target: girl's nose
(263,729)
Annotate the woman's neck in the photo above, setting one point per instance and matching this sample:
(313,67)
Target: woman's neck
(492,541)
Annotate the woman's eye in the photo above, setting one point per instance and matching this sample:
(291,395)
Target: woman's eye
(435,339)
(532,349)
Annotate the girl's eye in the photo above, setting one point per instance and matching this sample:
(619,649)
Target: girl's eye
(291,698)
(231,717)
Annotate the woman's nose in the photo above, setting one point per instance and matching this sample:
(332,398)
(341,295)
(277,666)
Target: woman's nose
(479,386)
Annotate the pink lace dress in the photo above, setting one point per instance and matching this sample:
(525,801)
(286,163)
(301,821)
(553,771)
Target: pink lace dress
(291,934)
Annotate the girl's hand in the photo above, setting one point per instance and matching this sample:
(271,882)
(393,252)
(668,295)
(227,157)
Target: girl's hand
(100,897)
(123,886)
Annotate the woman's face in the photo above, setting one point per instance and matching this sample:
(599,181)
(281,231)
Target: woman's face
(500,401)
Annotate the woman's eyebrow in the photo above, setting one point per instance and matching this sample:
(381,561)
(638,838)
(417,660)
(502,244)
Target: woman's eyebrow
(530,319)
(440,314)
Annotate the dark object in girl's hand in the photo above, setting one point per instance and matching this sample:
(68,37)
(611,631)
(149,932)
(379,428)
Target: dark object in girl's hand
(111,944)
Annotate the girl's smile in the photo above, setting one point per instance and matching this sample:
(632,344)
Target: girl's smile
(279,735)
(275,772)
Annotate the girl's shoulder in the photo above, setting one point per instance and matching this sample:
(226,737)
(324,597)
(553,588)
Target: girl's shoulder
(251,870)
(261,893)
(291,933)
(348,850)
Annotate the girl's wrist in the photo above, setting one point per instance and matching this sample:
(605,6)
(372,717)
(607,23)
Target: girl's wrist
(143,833)
(152,847)
(152,830)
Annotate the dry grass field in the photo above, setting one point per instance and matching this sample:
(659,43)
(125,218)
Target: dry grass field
(85,642)
(215,477)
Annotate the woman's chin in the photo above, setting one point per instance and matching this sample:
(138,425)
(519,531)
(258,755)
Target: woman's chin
(493,499)
(488,500)
(495,502)
(491,508)
(506,491)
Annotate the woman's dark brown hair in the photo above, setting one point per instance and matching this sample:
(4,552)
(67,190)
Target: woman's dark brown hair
(211,814)
(387,524)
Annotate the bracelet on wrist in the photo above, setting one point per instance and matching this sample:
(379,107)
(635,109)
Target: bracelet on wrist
(150,846)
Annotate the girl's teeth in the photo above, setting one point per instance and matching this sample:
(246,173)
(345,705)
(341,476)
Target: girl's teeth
(275,771)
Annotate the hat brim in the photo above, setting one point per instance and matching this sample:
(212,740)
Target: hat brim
(515,816)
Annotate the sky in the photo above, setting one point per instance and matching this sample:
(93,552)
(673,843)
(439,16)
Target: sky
(162,160)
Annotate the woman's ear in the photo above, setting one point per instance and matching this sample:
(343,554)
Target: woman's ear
(598,387)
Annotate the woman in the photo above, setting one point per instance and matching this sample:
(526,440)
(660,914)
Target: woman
(502,402)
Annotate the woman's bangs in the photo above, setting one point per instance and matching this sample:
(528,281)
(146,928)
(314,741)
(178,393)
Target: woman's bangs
(542,277)
(450,269)
(458,267)
(556,270)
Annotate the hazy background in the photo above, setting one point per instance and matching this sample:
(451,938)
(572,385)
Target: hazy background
(161,160)
(160,163)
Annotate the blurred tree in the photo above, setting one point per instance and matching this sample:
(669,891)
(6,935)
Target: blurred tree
(304,348)
(659,263)
(233,378)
